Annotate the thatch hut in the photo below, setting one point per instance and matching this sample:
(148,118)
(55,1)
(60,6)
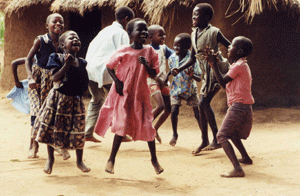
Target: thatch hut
(271,24)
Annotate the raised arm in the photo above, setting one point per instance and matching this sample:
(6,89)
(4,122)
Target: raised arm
(15,65)
(150,70)
(223,40)
(57,76)
(212,59)
(188,63)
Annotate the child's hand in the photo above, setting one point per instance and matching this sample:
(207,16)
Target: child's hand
(31,83)
(175,71)
(119,87)
(189,72)
(69,58)
(19,84)
(142,60)
(211,56)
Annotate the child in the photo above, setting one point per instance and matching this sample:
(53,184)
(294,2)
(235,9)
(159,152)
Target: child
(183,86)
(39,79)
(206,35)
(237,123)
(160,93)
(127,108)
(61,119)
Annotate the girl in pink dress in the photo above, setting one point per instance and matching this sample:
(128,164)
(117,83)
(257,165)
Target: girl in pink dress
(127,108)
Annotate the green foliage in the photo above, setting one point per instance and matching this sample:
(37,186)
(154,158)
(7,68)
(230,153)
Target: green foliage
(2,29)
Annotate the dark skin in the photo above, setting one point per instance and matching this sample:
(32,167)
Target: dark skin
(207,116)
(55,26)
(139,36)
(235,53)
(163,105)
(71,45)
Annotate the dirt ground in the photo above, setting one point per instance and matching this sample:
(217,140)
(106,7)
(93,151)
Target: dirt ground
(273,145)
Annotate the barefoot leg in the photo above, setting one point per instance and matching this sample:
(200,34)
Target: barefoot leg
(80,164)
(50,160)
(234,173)
(33,149)
(158,169)
(111,161)
(245,157)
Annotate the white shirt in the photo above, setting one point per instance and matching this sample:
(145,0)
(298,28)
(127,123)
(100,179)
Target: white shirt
(101,48)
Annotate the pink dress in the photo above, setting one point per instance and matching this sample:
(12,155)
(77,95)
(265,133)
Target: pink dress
(130,114)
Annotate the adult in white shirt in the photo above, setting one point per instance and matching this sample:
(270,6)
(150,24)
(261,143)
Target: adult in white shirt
(99,51)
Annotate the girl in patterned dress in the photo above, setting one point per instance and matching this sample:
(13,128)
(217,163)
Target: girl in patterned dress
(39,78)
(127,108)
(61,119)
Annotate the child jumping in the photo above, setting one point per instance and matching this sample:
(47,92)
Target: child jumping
(160,92)
(183,86)
(39,77)
(237,123)
(61,120)
(206,35)
(127,108)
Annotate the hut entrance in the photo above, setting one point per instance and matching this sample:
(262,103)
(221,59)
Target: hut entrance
(87,27)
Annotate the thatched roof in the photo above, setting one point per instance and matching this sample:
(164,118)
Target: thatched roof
(158,11)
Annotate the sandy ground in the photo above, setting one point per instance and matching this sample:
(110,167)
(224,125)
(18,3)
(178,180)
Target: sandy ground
(273,145)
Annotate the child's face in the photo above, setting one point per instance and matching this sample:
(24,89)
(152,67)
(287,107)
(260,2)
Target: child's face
(159,37)
(233,49)
(72,43)
(140,32)
(198,19)
(55,24)
(178,48)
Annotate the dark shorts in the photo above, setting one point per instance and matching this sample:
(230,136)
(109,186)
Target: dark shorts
(237,123)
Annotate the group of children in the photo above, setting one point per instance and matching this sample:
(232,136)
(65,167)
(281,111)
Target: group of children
(58,79)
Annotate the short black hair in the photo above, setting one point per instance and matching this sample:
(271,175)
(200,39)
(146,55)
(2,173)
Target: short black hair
(124,11)
(184,40)
(130,25)
(51,15)
(207,10)
(246,45)
(153,28)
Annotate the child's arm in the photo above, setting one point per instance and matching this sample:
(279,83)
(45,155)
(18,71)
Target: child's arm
(188,63)
(119,83)
(212,59)
(223,40)
(150,70)
(190,72)
(28,62)
(15,64)
(61,72)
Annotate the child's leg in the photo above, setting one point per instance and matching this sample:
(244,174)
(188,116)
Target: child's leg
(156,165)
(208,113)
(111,161)
(245,157)
(34,145)
(237,169)
(160,106)
(163,117)
(174,119)
(205,141)
(80,164)
(50,160)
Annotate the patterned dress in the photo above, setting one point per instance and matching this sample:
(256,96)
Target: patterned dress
(61,119)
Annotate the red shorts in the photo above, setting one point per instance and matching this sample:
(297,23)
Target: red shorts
(154,88)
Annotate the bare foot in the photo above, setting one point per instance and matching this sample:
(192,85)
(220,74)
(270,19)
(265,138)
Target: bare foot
(158,138)
(158,169)
(212,146)
(83,167)
(58,150)
(127,138)
(234,173)
(48,166)
(92,139)
(109,167)
(199,149)
(32,153)
(173,141)
(65,153)
(246,160)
